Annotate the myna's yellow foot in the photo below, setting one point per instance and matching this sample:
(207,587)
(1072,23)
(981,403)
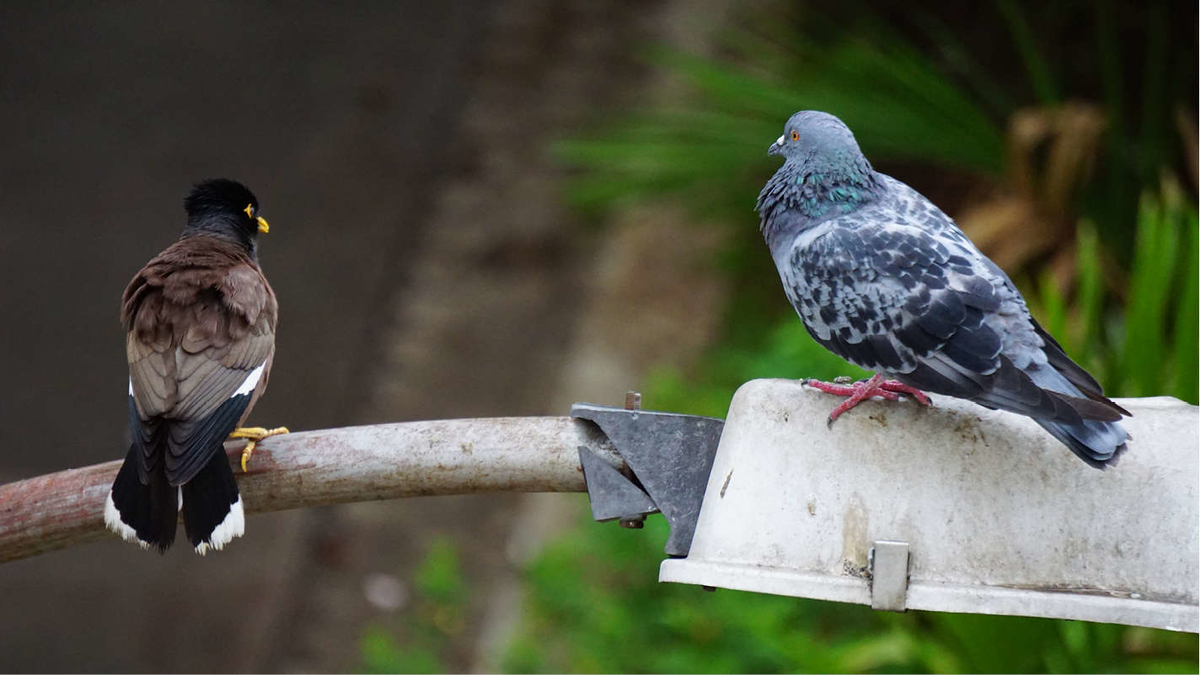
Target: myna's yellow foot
(253,435)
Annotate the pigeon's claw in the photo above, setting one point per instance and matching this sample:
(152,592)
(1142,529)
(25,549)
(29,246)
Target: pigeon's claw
(860,391)
(900,387)
(253,436)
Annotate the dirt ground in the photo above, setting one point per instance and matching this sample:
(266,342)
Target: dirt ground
(425,264)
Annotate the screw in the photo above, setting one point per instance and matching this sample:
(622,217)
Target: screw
(633,400)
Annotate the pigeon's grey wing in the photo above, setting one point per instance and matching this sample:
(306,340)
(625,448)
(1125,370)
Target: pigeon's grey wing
(1078,377)
(888,296)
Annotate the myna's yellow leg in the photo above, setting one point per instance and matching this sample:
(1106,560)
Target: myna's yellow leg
(253,435)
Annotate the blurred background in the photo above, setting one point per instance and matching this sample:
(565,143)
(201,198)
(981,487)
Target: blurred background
(500,208)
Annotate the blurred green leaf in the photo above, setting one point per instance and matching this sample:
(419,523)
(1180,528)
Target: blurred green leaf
(439,615)
(1053,314)
(1090,297)
(1035,65)
(1153,264)
(383,654)
(439,578)
(1187,325)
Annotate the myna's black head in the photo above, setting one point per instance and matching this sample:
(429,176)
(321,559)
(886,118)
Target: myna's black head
(226,209)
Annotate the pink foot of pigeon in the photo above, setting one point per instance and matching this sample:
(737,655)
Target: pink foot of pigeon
(861,391)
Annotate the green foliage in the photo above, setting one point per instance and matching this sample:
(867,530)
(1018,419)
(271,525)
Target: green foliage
(383,653)
(1035,65)
(713,154)
(594,605)
(1150,347)
(912,91)
(1166,246)
(441,598)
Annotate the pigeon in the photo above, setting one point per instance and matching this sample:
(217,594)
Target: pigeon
(887,281)
(200,338)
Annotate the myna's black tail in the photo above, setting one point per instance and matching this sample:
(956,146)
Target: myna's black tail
(212,507)
(142,512)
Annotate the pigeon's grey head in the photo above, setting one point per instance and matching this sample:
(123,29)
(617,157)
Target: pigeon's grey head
(824,175)
(811,134)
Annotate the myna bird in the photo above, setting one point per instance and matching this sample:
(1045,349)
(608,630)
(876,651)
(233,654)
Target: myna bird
(200,337)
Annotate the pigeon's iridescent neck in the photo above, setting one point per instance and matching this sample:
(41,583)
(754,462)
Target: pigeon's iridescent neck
(803,194)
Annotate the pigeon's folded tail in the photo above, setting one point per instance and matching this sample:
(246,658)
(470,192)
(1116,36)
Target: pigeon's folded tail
(1099,444)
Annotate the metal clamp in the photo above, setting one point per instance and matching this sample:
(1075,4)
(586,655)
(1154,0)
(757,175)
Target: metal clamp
(889,575)
(669,457)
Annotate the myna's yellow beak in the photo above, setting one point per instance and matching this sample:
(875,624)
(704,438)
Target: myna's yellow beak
(263,226)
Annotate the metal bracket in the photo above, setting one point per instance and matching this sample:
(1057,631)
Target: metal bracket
(889,575)
(611,494)
(670,456)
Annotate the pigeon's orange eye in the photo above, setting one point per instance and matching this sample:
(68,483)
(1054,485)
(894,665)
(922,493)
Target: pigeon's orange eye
(795,135)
